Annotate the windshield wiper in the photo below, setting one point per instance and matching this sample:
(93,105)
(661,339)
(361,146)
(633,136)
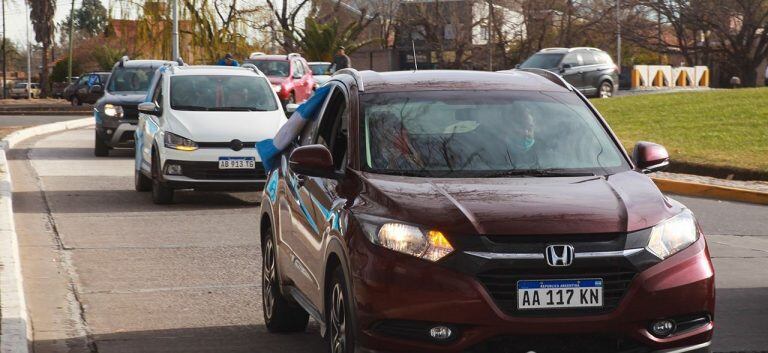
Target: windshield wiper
(553,172)
(190,107)
(237,109)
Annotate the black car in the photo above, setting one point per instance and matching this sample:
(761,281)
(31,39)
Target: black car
(590,70)
(87,89)
(117,111)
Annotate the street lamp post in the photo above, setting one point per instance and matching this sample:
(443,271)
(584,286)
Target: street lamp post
(175,33)
(29,58)
(618,34)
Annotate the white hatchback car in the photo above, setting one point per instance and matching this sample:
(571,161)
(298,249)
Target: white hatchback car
(198,127)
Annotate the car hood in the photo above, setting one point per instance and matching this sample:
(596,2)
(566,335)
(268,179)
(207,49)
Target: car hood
(123,98)
(226,126)
(276,80)
(622,202)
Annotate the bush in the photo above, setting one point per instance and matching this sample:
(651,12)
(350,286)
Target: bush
(59,72)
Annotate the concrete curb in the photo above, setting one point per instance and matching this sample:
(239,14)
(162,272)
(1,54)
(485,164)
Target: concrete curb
(15,327)
(711,191)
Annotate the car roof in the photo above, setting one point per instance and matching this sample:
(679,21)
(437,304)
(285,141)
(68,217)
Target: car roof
(213,70)
(567,50)
(318,63)
(458,80)
(144,63)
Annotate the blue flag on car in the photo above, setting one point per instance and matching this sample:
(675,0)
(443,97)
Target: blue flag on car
(270,149)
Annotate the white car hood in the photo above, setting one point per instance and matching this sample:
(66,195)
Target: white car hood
(225,126)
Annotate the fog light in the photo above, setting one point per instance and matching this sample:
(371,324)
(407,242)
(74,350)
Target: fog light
(109,131)
(172,169)
(440,333)
(663,328)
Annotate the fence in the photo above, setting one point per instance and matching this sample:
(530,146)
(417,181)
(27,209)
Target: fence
(646,76)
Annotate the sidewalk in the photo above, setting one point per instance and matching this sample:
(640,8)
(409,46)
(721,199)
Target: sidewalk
(752,185)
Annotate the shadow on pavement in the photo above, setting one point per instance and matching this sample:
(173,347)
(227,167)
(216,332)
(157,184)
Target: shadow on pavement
(235,339)
(116,201)
(68,153)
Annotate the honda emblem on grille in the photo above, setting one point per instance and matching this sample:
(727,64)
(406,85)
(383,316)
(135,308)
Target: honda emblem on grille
(559,255)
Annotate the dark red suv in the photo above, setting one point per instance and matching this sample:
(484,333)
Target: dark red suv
(449,211)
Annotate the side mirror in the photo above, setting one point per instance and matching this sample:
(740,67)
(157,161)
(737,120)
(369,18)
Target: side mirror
(290,108)
(313,160)
(650,157)
(149,108)
(517,66)
(97,89)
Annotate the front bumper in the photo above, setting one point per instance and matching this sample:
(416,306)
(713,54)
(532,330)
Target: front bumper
(200,170)
(390,287)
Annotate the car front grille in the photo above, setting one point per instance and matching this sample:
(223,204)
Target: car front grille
(211,171)
(501,283)
(130,112)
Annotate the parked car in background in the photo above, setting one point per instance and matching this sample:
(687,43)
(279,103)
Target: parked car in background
(199,128)
(321,71)
(87,89)
(117,113)
(290,76)
(590,70)
(423,212)
(20,90)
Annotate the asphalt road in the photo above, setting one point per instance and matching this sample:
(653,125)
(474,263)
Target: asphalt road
(105,270)
(32,120)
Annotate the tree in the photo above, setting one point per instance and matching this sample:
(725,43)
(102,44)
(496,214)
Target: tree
(42,22)
(106,56)
(319,41)
(59,72)
(286,16)
(90,18)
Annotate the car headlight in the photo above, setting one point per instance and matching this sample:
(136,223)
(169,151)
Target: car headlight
(673,235)
(179,143)
(277,88)
(411,240)
(113,110)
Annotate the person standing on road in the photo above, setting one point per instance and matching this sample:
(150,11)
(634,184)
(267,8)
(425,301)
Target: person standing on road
(228,60)
(340,60)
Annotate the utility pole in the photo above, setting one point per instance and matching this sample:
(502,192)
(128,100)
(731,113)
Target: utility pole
(71,34)
(5,93)
(29,58)
(618,34)
(175,33)
(490,35)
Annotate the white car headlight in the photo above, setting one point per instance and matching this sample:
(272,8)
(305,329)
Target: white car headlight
(179,143)
(113,110)
(673,235)
(411,240)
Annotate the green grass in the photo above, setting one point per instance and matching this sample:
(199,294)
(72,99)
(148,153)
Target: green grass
(726,128)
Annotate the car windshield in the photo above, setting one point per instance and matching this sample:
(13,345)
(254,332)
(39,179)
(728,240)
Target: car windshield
(319,69)
(130,79)
(20,85)
(222,93)
(542,61)
(483,133)
(278,68)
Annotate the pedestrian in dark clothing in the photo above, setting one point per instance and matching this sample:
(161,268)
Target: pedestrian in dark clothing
(228,60)
(340,60)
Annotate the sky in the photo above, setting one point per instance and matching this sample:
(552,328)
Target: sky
(16,17)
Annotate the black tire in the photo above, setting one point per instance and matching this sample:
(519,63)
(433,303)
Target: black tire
(161,193)
(76,101)
(280,315)
(340,337)
(141,182)
(605,90)
(100,149)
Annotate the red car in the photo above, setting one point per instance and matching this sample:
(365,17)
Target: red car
(452,211)
(289,75)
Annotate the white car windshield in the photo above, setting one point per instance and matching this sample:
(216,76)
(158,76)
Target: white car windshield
(222,93)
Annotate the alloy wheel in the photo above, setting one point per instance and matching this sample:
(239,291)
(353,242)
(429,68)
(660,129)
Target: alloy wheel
(338,320)
(606,90)
(268,278)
